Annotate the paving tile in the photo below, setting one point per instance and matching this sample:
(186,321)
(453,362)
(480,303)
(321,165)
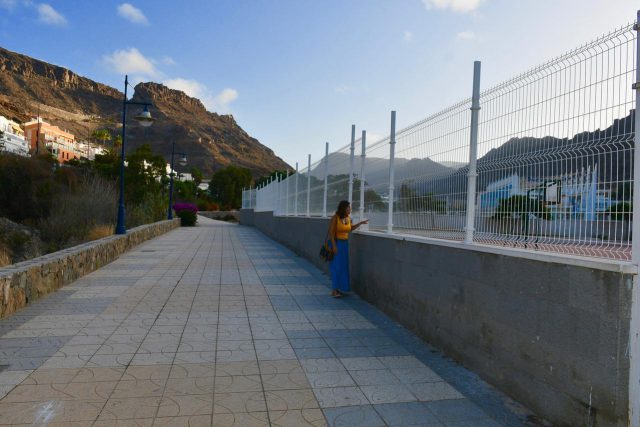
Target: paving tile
(185,405)
(185,421)
(240,419)
(434,391)
(148,372)
(224,403)
(330,379)
(322,365)
(340,396)
(238,383)
(353,416)
(407,414)
(415,375)
(456,410)
(387,393)
(314,353)
(130,408)
(238,368)
(367,377)
(139,388)
(187,386)
(91,374)
(298,417)
(283,400)
(362,363)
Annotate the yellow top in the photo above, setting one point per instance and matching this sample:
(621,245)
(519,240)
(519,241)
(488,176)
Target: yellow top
(342,230)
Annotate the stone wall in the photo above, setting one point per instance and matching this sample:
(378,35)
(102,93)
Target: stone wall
(549,331)
(27,281)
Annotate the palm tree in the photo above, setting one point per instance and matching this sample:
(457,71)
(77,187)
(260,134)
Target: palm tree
(101,134)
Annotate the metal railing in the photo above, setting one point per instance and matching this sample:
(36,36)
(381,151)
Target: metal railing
(544,161)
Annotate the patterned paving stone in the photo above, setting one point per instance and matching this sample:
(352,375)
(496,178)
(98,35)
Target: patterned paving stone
(219,326)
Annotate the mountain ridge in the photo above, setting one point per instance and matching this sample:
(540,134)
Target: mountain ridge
(81,105)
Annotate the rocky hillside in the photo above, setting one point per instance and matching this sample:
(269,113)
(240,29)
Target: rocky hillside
(81,106)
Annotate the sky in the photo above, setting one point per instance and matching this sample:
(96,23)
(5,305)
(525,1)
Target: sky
(298,73)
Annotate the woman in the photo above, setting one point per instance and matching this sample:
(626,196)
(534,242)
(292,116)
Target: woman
(339,229)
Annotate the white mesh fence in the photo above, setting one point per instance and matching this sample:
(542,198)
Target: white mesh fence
(555,157)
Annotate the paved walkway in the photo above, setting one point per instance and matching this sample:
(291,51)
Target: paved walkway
(218,325)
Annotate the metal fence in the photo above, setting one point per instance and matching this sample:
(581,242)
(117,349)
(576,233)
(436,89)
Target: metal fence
(544,161)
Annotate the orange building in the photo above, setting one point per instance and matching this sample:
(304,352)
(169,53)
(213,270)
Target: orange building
(58,142)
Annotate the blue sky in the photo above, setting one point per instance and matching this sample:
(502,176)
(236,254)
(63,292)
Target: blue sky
(297,73)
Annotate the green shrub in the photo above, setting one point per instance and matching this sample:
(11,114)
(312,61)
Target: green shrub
(187,218)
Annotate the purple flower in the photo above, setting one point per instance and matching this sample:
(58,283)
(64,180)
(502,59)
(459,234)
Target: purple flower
(191,207)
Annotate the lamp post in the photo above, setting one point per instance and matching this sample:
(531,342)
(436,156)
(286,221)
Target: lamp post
(182,162)
(145,120)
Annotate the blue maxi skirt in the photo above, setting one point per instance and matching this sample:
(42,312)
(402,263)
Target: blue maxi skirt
(339,267)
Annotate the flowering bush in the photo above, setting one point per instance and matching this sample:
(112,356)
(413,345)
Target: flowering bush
(187,213)
(185,207)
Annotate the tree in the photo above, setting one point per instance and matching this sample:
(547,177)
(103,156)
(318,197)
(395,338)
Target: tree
(197,175)
(272,176)
(101,135)
(620,211)
(523,207)
(226,186)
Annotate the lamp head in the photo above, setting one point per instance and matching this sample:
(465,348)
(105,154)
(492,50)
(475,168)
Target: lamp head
(145,118)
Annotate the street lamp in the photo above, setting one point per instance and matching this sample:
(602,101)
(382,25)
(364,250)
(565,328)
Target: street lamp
(145,120)
(182,162)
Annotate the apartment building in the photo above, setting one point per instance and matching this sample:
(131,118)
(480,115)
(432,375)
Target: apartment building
(57,141)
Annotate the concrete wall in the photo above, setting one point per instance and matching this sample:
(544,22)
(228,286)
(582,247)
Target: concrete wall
(549,334)
(27,281)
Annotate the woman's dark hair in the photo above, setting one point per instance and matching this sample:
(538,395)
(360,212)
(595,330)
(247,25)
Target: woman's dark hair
(342,208)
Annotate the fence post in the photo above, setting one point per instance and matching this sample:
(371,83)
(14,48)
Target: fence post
(309,186)
(326,182)
(295,205)
(392,154)
(473,155)
(634,331)
(351,160)
(278,194)
(286,204)
(362,161)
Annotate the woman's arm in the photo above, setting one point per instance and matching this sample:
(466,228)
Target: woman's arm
(332,233)
(353,227)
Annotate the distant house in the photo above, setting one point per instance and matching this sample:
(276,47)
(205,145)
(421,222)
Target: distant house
(57,141)
(12,138)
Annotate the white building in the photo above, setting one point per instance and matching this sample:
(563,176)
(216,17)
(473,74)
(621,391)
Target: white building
(12,138)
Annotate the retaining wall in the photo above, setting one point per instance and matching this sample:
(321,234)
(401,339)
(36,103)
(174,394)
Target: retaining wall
(27,281)
(550,332)
(219,214)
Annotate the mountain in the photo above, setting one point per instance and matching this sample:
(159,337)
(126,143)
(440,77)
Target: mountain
(80,105)
(610,150)
(377,169)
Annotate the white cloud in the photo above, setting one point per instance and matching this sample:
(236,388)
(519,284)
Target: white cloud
(343,89)
(193,88)
(408,36)
(190,87)
(455,5)
(132,14)
(466,35)
(167,60)
(224,98)
(131,61)
(48,15)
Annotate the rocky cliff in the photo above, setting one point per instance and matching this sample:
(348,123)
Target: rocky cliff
(81,106)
